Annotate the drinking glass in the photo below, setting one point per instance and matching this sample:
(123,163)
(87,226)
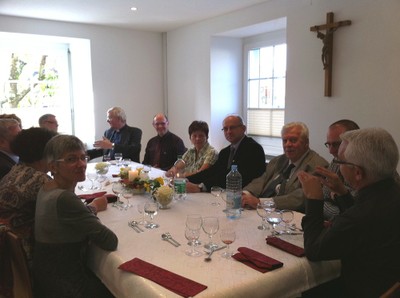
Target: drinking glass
(274,217)
(127,194)
(118,188)
(192,235)
(146,169)
(140,209)
(216,191)
(126,162)
(210,227)
(118,157)
(106,157)
(151,210)
(227,236)
(262,212)
(287,217)
(92,176)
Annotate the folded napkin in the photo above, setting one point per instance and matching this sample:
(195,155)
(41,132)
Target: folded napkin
(173,282)
(90,197)
(256,260)
(286,246)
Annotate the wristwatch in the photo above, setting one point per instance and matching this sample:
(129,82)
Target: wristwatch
(112,146)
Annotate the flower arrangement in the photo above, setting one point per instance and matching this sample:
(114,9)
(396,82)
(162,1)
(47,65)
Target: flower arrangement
(139,181)
(101,168)
(163,194)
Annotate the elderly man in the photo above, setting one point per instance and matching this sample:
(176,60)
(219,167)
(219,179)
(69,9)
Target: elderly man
(9,128)
(120,137)
(280,178)
(244,152)
(49,121)
(335,191)
(162,150)
(366,237)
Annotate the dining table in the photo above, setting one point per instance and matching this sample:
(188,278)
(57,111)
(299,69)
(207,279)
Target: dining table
(224,277)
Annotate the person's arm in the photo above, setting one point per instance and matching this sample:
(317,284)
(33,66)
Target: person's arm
(130,144)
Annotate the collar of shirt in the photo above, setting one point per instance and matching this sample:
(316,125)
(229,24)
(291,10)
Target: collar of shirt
(236,145)
(298,163)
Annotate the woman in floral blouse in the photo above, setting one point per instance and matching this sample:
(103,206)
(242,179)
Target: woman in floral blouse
(201,156)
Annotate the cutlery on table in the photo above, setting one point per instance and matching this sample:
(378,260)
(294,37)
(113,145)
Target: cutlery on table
(172,239)
(136,224)
(165,237)
(208,258)
(135,227)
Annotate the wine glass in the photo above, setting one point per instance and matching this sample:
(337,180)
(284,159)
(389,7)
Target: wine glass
(216,191)
(126,162)
(287,217)
(127,194)
(262,212)
(92,176)
(210,227)
(140,209)
(151,210)
(101,172)
(192,235)
(118,188)
(118,157)
(227,236)
(106,157)
(274,217)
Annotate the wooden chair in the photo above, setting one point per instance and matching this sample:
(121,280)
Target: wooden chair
(393,292)
(22,284)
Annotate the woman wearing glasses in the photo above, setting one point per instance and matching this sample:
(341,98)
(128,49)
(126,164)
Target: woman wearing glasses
(64,227)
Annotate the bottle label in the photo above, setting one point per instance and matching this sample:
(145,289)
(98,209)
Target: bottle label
(180,186)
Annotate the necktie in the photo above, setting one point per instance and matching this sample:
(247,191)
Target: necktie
(285,176)
(280,179)
(231,154)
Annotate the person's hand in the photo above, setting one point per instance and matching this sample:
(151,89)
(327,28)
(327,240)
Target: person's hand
(171,172)
(191,187)
(311,184)
(103,144)
(99,203)
(248,200)
(331,180)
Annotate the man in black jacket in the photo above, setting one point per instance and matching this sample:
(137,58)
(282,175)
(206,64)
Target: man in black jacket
(244,152)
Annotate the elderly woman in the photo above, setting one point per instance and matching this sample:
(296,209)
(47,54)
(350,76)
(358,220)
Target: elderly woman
(19,188)
(64,227)
(201,156)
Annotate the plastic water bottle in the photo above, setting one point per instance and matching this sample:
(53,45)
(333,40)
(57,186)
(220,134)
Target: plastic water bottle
(233,193)
(179,180)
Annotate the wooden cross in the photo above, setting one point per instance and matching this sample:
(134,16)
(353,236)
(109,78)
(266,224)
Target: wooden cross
(327,49)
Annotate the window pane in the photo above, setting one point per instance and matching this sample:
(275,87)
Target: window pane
(266,62)
(266,93)
(253,91)
(279,93)
(254,64)
(280,61)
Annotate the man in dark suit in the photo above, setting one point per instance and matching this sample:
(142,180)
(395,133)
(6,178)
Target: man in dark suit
(9,128)
(119,138)
(244,152)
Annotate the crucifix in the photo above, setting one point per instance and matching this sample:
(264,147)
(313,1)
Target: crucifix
(327,50)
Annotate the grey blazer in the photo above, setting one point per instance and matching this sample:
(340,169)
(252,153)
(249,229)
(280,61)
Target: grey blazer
(293,198)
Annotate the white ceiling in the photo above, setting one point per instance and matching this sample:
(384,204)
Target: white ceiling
(152,15)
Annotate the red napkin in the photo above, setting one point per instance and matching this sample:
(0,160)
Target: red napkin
(286,246)
(256,260)
(90,197)
(173,282)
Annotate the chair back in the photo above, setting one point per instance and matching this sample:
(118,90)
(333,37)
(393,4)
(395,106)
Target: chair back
(393,292)
(22,283)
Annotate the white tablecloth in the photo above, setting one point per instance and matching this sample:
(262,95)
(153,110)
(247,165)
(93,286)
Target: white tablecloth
(224,277)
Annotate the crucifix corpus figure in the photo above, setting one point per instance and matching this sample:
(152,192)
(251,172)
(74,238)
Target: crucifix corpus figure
(327,50)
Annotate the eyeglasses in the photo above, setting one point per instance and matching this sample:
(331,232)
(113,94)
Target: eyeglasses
(342,162)
(74,159)
(333,144)
(159,123)
(51,122)
(226,128)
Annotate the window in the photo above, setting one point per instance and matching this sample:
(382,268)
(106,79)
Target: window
(265,85)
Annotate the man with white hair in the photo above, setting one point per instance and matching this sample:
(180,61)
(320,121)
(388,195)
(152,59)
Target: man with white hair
(366,237)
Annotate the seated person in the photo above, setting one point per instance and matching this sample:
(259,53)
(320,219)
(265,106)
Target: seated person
(198,158)
(366,237)
(64,227)
(243,151)
(48,121)
(120,137)
(280,178)
(9,128)
(19,188)
(163,150)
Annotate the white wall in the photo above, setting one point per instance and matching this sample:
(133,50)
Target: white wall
(127,69)
(366,68)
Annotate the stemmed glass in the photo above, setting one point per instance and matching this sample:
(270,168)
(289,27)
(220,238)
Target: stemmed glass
(118,157)
(227,236)
(274,217)
(216,191)
(210,227)
(127,194)
(262,209)
(140,209)
(151,209)
(92,176)
(287,217)
(118,189)
(192,233)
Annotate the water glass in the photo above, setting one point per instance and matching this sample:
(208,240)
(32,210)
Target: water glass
(210,227)
(118,157)
(192,235)
(216,191)
(151,209)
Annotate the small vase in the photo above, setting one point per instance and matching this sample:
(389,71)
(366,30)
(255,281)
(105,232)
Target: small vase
(164,201)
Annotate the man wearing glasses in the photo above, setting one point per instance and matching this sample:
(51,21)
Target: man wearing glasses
(48,121)
(365,237)
(162,150)
(336,192)
(243,151)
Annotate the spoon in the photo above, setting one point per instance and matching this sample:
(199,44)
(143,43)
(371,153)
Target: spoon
(172,239)
(208,258)
(168,238)
(136,224)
